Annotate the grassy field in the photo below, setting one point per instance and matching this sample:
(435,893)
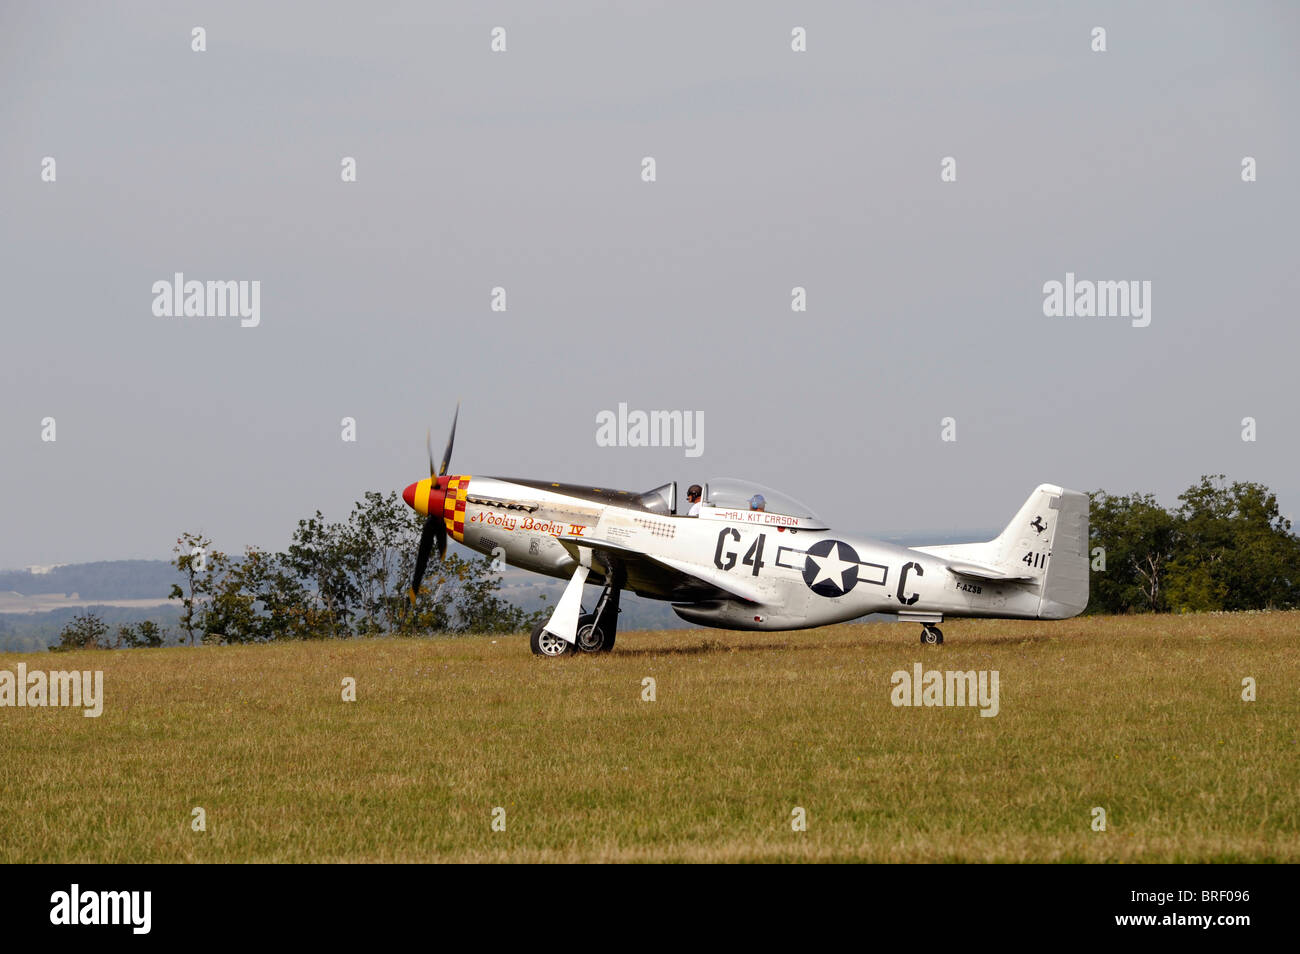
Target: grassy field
(1140,716)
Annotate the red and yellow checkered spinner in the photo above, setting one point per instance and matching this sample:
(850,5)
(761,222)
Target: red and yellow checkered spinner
(441,495)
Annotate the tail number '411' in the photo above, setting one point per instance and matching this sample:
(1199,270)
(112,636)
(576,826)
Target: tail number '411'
(726,559)
(1034,560)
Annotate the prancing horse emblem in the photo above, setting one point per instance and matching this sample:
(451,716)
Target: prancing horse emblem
(1038,525)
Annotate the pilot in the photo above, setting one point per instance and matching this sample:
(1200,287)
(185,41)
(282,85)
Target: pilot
(693,493)
(757,502)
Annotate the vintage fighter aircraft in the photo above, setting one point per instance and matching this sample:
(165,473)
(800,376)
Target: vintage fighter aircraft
(754,559)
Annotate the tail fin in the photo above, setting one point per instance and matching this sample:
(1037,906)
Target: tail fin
(1045,545)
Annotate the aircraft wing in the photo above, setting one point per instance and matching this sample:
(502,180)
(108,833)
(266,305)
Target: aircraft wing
(661,576)
(980,571)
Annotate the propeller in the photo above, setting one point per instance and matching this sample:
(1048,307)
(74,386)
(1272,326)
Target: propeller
(435,530)
(446,455)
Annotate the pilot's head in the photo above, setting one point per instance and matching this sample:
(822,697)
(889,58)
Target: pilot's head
(693,492)
(757,502)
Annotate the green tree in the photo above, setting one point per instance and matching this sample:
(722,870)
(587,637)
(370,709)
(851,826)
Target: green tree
(1139,538)
(191,560)
(480,610)
(339,580)
(230,614)
(318,556)
(1235,550)
(1192,588)
(379,543)
(146,633)
(84,631)
(285,608)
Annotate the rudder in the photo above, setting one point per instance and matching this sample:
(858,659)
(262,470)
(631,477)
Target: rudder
(1065,585)
(1047,541)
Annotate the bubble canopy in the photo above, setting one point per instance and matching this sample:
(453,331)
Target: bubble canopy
(731,493)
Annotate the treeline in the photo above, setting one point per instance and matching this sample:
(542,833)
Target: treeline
(87,630)
(1224,547)
(334,580)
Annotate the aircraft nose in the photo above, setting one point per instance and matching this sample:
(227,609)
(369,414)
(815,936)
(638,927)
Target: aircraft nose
(409,495)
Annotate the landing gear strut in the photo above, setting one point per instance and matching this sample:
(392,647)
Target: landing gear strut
(931,635)
(596,631)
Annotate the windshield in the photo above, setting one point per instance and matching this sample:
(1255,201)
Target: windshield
(729,493)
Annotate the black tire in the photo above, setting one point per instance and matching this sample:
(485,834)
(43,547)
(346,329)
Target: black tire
(610,632)
(543,643)
(592,639)
(931,636)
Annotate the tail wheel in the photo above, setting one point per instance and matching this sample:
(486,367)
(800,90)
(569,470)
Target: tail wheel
(931,635)
(594,639)
(545,643)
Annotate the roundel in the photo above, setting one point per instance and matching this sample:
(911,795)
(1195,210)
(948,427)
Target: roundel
(831,568)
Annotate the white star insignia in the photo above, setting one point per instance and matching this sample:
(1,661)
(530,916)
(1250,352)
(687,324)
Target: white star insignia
(831,568)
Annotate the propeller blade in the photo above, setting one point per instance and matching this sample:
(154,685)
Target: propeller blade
(446,457)
(433,530)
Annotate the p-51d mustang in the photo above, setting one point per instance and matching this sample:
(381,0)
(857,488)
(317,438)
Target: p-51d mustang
(736,567)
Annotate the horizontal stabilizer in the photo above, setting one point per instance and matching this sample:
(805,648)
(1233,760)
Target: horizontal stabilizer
(980,571)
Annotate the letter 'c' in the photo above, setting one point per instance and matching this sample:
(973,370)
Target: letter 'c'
(902,582)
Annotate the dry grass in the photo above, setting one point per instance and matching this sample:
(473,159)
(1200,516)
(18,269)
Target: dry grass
(1142,716)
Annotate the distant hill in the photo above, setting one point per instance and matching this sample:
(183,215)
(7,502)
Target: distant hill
(36,632)
(105,580)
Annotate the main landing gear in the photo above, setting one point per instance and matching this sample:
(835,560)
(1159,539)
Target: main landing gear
(931,635)
(596,631)
(595,634)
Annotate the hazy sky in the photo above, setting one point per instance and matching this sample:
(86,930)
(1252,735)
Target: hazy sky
(523,170)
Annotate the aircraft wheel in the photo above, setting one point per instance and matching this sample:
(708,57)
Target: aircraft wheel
(544,643)
(592,639)
(931,635)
